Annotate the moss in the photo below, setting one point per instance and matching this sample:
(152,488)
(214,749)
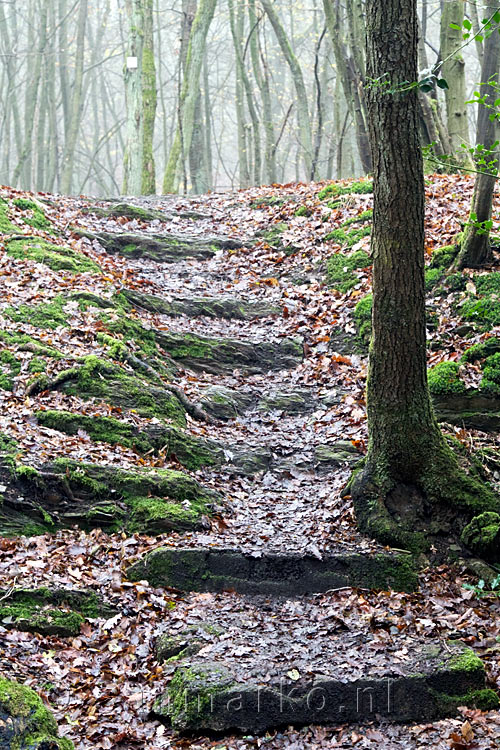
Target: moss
(37,365)
(273,235)
(360,187)
(146,513)
(443,257)
(341,269)
(6,226)
(444,379)
(303,211)
(128,329)
(192,346)
(115,348)
(482,350)
(36,217)
(467,661)
(482,535)
(54,256)
(8,444)
(87,299)
(45,315)
(363,318)
(361,218)
(10,367)
(97,378)
(102,429)
(490,382)
(348,239)
(484,700)
(21,340)
(38,725)
(29,616)
(270,200)
(488,283)
(432,277)
(484,311)
(191,694)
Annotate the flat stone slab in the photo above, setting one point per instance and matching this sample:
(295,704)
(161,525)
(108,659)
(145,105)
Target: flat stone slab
(209,307)
(196,569)
(231,685)
(221,355)
(474,410)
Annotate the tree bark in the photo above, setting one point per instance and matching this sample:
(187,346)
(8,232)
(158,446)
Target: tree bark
(410,472)
(475,250)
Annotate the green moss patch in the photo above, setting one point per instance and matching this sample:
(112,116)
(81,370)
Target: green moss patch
(482,535)
(443,257)
(444,379)
(484,311)
(363,318)
(44,315)
(56,257)
(361,187)
(28,724)
(34,216)
(10,367)
(491,374)
(341,269)
(6,226)
(348,239)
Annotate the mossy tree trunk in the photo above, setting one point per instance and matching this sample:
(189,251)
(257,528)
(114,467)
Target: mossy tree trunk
(140,90)
(409,470)
(476,249)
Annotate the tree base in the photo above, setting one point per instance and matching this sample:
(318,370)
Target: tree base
(429,515)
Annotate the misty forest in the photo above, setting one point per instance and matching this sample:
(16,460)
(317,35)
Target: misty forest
(249,374)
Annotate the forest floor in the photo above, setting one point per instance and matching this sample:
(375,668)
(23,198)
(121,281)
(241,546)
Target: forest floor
(290,435)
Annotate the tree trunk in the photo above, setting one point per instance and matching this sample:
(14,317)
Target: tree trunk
(300,88)
(140,89)
(410,472)
(475,250)
(190,90)
(76,103)
(453,71)
(262,78)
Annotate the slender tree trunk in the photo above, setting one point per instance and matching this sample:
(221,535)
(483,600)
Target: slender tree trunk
(300,88)
(453,70)
(76,103)
(140,88)
(410,472)
(190,90)
(476,249)
(262,77)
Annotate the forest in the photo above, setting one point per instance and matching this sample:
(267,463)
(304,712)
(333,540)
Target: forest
(249,374)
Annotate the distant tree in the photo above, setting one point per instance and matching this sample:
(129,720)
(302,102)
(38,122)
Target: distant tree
(475,250)
(411,484)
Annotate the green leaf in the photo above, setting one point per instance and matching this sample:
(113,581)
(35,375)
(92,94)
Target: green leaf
(442,83)
(496,17)
(455,26)
(467,24)
(466,36)
(480,38)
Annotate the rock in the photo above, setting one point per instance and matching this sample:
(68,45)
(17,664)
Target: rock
(162,248)
(225,403)
(188,642)
(68,492)
(473,410)
(247,461)
(25,722)
(50,611)
(279,574)
(295,401)
(333,455)
(482,536)
(210,307)
(432,681)
(219,355)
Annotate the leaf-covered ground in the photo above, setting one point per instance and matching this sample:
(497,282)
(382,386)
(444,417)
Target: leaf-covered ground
(102,683)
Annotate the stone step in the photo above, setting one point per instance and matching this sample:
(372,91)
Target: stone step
(209,307)
(224,355)
(474,410)
(276,663)
(162,248)
(228,403)
(279,574)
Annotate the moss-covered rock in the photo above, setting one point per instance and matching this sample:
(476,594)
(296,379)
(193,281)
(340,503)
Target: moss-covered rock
(50,612)
(225,403)
(339,454)
(443,257)
(221,355)
(341,269)
(56,257)
(210,307)
(25,722)
(45,315)
(10,367)
(34,214)
(490,382)
(444,379)
(359,187)
(482,536)
(105,381)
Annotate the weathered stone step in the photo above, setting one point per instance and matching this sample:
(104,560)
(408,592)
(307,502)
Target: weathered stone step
(209,307)
(308,670)
(227,403)
(219,355)
(195,569)
(474,410)
(162,248)
(131,211)
(50,611)
(68,492)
